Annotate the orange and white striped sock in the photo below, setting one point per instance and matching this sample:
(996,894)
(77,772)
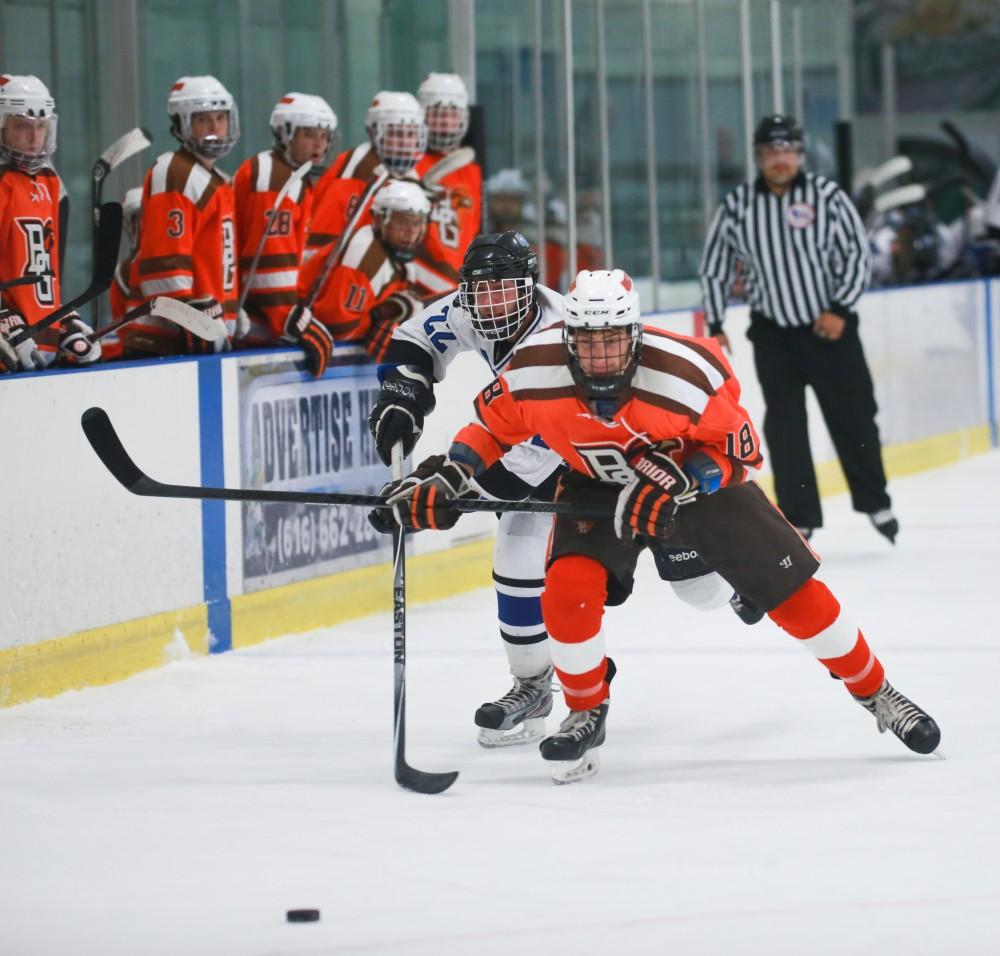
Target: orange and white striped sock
(813,616)
(572,608)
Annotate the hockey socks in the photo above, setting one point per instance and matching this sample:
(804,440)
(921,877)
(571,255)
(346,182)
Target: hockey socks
(813,616)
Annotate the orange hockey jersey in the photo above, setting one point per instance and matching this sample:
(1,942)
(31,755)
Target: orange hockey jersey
(187,247)
(683,389)
(336,195)
(29,246)
(365,278)
(272,288)
(456,219)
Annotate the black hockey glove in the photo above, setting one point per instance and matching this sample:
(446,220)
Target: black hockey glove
(75,344)
(398,414)
(306,331)
(648,502)
(17,356)
(425,497)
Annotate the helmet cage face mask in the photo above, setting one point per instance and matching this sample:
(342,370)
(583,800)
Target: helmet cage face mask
(399,143)
(401,229)
(498,307)
(208,147)
(447,124)
(610,354)
(28,161)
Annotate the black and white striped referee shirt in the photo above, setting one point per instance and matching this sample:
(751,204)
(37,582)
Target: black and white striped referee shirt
(805,252)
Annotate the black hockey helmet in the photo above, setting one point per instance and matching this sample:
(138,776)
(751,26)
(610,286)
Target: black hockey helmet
(778,128)
(498,279)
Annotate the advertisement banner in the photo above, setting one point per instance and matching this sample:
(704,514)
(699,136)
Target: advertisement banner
(298,433)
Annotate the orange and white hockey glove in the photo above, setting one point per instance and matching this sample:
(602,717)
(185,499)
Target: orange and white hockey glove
(425,498)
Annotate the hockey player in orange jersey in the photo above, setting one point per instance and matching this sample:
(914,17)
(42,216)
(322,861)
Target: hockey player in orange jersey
(397,138)
(368,294)
(32,204)
(456,187)
(651,426)
(187,233)
(304,129)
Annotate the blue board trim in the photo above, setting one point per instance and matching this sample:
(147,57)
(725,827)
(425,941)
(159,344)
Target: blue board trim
(213,513)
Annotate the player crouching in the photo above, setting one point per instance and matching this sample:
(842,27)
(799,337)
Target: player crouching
(652,429)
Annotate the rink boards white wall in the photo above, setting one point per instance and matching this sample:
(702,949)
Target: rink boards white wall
(101,584)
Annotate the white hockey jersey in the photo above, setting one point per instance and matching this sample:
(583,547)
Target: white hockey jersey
(444,330)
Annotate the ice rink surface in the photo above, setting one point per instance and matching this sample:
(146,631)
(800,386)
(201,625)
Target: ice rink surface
(745,803)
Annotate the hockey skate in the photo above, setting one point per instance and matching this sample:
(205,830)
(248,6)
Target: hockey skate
(573,750)
(886,524)
(745,609)
(904,718)
(519,716)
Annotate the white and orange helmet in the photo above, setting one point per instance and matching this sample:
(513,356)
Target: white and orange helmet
(397,129)
(202,94)
(446,108)
(296,110)
(26,98)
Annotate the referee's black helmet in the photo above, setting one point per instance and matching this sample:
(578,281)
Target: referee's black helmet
(777,128)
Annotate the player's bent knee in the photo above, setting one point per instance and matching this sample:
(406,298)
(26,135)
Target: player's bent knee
(811,609)
(576,588)
(708,592)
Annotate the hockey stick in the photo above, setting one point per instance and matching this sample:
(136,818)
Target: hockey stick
(23,280)
(105,260)
(338,251)
(297,176)
(173,310)
(134,141)
(107,445)
(448,164)
(407,777)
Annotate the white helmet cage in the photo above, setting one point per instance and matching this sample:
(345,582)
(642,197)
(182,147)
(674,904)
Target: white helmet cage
(400,212)
(297,110)
(27,97)
(397,129)
(446,108)
(598,302)
(202,94)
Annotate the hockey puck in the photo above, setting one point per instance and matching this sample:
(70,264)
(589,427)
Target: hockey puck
(302,916)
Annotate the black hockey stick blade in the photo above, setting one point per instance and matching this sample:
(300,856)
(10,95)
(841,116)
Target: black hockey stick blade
(103,438)
(420,781)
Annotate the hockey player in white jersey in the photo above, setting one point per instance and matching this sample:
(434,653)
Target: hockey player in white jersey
(499,302)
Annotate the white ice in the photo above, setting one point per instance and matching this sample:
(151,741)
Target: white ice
(744,805)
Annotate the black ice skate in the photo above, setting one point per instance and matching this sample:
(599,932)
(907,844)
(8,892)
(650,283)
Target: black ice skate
(885,524)
(573,750)
(904,718)
(519,716)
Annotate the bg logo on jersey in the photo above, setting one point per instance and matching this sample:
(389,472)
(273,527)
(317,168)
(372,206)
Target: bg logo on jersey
(38,237)
(608,462)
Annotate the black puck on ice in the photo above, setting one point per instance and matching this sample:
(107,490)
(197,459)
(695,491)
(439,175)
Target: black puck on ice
(302,916)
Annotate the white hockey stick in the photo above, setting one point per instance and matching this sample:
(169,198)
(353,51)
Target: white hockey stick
(890,169)
(290,183)
(901,196)
(448,164)
(173,310)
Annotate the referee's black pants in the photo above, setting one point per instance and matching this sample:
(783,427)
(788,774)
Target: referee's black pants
(789,359)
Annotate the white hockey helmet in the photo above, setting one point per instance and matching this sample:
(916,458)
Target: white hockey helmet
(297,110)
(400,211)
(202,94)
(397,129)
(27,122)
(446,107)
(602,332)
(507,182)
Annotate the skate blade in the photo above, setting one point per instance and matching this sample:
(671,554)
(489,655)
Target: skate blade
(570,771)
(526,732)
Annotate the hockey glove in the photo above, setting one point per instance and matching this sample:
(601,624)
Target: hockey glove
(195,345)
(382,519)
(75,345)
(404,398)
(647,503)
(17,356)
(384,319)
(303,328)
(425,498)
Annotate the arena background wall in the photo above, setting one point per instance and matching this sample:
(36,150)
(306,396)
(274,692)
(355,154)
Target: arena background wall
(100,584)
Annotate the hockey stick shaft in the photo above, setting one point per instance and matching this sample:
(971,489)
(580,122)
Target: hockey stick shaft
(338,251)
(406,776)
(126,146)
(22,280)
(104,270)
(107,445)
(296,177)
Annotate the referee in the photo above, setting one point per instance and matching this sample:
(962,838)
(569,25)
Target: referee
(806,262)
